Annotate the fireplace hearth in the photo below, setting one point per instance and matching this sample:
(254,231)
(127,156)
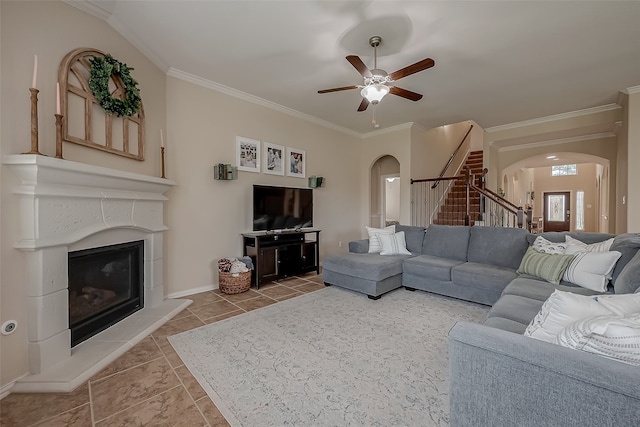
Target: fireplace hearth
(105,286)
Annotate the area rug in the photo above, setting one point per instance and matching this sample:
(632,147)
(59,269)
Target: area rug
(330,358)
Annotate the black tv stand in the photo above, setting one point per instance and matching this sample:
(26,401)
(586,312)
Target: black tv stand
(282,253)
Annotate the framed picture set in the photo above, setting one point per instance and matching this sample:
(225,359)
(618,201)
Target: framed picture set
(296,162)
(247,154)
(274,158)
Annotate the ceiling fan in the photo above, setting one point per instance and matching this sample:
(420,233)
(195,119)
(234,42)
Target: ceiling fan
(377,82)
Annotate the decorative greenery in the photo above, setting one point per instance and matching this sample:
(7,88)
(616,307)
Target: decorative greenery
(101,71)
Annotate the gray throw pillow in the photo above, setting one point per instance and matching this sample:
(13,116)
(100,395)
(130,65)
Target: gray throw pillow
(628,281)
(413,236)
(628,245)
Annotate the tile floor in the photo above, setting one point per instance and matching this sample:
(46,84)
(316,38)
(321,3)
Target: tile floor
(149,385)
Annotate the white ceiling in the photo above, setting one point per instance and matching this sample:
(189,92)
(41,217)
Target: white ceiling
(496,62)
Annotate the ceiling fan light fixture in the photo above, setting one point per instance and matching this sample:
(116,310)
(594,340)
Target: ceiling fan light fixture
(374,93)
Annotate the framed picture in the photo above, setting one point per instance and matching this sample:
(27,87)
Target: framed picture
(295,163)
(247,154)
(274,158)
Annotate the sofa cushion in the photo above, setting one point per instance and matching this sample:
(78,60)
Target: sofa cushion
(506,325)
(516,308)
(530,287)
(482,276)
(430,266)
(503,247)
(550,267)
(367,266)
(628,280)
(628,245)
(413,236)
(447,241)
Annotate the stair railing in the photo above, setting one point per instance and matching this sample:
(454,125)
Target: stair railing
(453,155)
(428,204)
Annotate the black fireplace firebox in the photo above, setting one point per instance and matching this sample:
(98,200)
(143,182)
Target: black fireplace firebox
(106,284)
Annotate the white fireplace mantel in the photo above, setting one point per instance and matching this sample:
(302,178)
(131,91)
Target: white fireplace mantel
(66,206)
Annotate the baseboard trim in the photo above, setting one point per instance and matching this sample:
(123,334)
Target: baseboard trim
(5,390)
(188,292)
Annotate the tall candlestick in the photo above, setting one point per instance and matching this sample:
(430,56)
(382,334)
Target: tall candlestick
(35,71)
(162,157)
(57,98)
(34,122)
(161,139)
(59,119)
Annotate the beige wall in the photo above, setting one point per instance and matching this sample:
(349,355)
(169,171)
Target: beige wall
(633,156)
(585,180)
(50,30)
(205,216)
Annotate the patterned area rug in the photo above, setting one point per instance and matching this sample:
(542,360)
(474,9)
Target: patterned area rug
(330,357)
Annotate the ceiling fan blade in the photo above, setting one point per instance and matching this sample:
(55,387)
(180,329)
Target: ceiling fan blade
(359,65)
(364,104)
(405,93)
(412,69)
(337,89)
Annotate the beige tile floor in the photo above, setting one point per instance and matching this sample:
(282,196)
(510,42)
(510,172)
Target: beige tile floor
(149,385)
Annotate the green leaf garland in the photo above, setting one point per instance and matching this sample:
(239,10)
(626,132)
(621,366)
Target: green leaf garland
(101,71)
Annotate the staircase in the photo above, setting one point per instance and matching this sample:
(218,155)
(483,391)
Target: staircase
(454,208)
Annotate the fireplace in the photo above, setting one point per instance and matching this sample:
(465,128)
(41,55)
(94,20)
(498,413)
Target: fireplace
(105,286)
(71,215)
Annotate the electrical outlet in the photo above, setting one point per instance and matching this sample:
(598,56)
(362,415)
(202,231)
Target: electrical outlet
(340,244)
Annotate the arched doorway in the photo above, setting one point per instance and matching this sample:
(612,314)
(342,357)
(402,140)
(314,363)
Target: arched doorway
(384,191)
(574,202)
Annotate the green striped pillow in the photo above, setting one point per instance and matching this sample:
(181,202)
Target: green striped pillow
(549,267)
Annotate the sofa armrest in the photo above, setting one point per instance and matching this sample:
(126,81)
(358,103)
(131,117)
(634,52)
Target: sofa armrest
(359,246)
(498,378)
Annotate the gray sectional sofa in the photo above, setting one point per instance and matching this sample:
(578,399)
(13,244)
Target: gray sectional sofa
(498,376)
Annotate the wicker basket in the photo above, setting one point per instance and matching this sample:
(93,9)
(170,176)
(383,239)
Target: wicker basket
(230,284)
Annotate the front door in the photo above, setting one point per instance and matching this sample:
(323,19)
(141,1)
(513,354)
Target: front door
(557,211)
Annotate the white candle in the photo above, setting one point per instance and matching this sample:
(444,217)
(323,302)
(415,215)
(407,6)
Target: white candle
(57,98)
(35,71)
(161,139)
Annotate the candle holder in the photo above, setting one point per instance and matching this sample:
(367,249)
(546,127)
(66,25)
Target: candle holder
(162,156)
(34,122)
(59,119)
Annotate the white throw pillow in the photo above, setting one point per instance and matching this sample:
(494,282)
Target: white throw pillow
(563,308)
(592,270)
(575,245)
(393,244)
(546,247)
(374,241)
(615,337)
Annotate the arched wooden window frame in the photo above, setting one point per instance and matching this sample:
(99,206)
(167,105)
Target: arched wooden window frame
(77,63)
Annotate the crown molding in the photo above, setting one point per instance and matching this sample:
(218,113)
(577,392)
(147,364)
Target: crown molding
(132,38)
(561,116)
(94,8)
(558,141)
(196,80)
(631,90)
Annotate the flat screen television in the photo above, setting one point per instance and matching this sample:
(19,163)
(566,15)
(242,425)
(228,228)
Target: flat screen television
(281,208)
